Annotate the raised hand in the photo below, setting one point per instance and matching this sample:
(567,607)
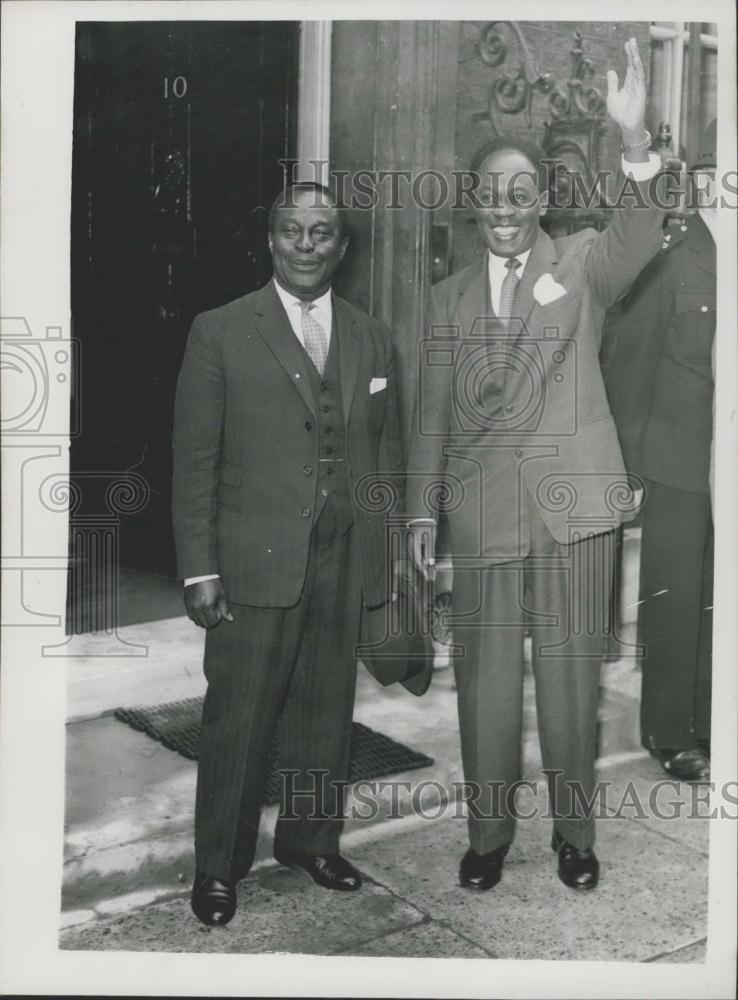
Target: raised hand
(627,105)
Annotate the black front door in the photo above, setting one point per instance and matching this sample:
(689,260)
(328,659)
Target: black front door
(178,130)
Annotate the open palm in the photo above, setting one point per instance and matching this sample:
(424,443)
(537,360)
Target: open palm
(627,105)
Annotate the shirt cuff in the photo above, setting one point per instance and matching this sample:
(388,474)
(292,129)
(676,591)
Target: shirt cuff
(642,171)
(189,580)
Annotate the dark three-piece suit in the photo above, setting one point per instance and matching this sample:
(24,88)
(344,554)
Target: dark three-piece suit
(271,461)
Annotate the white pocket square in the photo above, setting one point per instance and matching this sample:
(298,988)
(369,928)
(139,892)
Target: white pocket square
(377,384)
(547,290)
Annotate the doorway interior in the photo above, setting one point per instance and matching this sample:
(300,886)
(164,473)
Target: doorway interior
(179,129)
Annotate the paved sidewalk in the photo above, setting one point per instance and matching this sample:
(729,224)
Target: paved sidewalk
(651,905)
(128,849)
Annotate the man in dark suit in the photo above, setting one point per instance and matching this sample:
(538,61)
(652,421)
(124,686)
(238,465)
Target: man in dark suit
(513,423)
(285,402)
(658,375)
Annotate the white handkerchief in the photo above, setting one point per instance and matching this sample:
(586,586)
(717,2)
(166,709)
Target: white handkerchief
(547,290)
(377,384)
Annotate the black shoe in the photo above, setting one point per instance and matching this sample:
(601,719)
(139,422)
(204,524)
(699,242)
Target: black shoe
(685,765)
(332,871)
(482,871)
(577,869)
(213,901)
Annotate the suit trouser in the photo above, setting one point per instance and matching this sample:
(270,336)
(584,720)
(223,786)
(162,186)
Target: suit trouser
(676,617)
(293,667)
(562,594)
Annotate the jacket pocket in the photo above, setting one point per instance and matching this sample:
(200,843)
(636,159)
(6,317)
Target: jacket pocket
(562,312)
(692,328)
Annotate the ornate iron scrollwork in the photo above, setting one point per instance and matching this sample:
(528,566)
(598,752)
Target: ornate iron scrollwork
(573,118)
(586,98)
(513,92)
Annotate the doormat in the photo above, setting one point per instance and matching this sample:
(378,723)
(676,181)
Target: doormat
(176,724)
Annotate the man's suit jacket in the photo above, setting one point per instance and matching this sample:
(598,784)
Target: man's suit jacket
(656,361)
(537,420)
(246,448)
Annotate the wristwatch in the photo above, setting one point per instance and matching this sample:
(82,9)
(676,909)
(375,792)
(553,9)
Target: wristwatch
(638,147)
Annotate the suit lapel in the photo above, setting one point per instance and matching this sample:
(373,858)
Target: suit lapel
(277,333)
(349,352)
(474,300)
(473,307)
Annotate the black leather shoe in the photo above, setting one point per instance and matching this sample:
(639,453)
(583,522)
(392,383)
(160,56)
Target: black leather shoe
(482,871)
(213,901)
(332,871)
(685,765)
(577,869)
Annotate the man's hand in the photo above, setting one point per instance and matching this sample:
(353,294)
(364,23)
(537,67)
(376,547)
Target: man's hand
(421,543)
(206,603)
(627,107)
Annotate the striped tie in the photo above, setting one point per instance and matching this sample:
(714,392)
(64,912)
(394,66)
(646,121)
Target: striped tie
(509,290)
(314,338)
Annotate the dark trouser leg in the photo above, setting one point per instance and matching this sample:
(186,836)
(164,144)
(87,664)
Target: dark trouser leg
(572,583)
(266,664)
(248,663)
(675,587)
(703,685)
(315,726)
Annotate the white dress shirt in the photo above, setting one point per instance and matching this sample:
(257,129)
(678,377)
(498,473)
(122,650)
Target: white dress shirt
(322,312)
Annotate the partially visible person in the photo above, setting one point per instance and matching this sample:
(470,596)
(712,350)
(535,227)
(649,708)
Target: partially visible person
(657,363)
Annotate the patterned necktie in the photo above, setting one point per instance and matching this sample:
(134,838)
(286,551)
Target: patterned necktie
(509,290)
(314,337)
